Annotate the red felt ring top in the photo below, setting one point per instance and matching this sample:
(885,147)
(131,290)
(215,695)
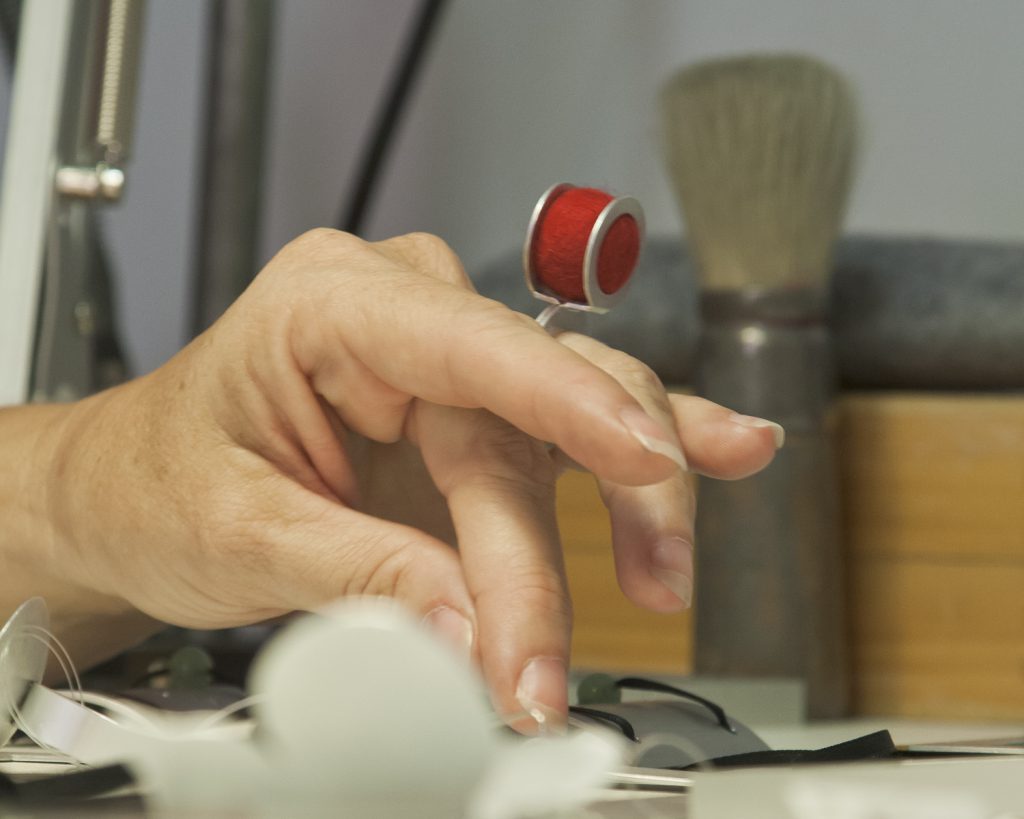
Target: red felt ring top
(559,240)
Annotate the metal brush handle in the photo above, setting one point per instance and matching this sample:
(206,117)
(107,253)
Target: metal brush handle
(770,581)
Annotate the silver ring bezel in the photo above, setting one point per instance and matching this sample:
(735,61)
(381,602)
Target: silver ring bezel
(596,300)
(621,206)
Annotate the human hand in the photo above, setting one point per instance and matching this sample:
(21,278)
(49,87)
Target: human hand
(235,483)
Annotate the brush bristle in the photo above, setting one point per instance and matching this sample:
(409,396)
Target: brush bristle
(760,149)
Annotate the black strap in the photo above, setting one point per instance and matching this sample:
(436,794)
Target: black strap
(81,784)
(878,745)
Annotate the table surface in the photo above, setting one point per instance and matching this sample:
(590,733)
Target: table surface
(626,804)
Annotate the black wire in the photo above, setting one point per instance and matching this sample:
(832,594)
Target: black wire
(642,684)
(618,721)
(351,219)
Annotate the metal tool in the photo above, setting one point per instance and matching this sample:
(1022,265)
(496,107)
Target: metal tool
(69,133)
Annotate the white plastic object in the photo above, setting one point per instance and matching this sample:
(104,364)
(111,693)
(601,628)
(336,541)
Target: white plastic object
(364,691)
(364,711)
(23,658)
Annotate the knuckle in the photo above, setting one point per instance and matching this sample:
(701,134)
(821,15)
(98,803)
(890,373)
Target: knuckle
(541,589)
(633,374)
(428,244)
(318,236)
(513,461)
(515,490)
(435,257)
(497,324)
(588,347)
(319,242)
(637,377)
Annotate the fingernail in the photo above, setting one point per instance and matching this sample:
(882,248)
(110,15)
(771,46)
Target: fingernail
(672,564)
(452,627)
(543,692)
(761,423)
(652,436)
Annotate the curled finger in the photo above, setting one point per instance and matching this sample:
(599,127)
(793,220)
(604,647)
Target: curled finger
(499,485)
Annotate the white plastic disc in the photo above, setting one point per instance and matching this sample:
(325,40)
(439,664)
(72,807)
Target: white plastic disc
(23,655)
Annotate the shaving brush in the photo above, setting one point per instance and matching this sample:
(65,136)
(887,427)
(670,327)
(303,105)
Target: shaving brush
(760,150)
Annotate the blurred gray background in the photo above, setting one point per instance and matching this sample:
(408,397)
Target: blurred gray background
(517,95)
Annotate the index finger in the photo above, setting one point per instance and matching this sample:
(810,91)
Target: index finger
(435,340)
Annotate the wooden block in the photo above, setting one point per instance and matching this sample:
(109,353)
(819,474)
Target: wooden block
(933,501)
(936,639)
(933,496)
(933,474)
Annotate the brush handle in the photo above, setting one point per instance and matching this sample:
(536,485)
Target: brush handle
(769,571)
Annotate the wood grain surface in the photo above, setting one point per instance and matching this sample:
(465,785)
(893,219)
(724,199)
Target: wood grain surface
(933,500)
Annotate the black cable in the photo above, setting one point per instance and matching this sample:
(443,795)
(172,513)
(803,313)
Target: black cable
(642,684)
(382,134)
(620,722)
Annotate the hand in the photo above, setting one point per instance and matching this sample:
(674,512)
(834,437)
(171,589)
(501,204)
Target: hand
(236,483)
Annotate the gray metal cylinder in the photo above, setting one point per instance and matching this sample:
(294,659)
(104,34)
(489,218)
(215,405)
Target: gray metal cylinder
(237,101)
(769,558)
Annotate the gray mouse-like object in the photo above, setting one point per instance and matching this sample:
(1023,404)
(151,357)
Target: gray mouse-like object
(673,733)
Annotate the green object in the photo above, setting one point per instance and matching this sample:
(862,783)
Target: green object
(190,667)
(598,689)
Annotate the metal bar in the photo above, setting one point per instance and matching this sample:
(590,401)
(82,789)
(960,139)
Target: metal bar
(101,71)
(27,187)
(652,778)
(229,196)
